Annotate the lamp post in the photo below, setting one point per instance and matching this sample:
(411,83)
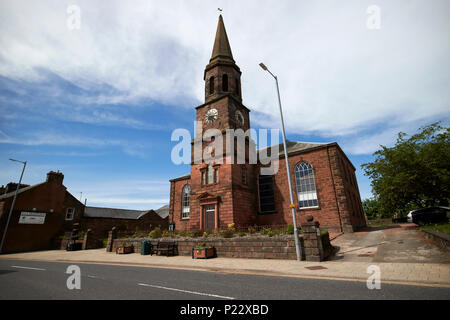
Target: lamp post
(292,206)
(13,203)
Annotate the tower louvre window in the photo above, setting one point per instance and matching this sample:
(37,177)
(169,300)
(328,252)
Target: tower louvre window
(211,85)
(266,194)
(237,86)
(225,83)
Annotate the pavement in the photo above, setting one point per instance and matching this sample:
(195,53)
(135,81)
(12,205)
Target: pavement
(400,253)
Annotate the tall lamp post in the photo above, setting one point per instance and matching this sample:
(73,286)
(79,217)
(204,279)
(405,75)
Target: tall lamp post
(292,206)
(13,203)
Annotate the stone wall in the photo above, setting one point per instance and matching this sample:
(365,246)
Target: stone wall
(245,247)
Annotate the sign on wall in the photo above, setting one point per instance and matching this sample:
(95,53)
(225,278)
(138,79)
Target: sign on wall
(32,218)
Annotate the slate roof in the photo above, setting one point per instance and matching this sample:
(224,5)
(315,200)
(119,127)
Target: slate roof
(99,212)
(163,212)
(11,194)
(295,146)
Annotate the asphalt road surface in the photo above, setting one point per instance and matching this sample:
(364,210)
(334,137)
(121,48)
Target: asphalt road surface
(48,280)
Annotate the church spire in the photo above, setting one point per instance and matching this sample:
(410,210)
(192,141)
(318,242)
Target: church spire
(221,49)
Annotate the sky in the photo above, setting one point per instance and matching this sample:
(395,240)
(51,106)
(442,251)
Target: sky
(98,94)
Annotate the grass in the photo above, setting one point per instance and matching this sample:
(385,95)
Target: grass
(441,227)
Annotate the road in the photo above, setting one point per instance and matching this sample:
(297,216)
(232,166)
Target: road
(21,279)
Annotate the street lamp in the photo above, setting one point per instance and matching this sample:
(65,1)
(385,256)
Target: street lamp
(292,206)
(12,205)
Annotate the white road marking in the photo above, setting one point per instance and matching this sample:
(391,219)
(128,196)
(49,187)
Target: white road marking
(186,291)
(28,268)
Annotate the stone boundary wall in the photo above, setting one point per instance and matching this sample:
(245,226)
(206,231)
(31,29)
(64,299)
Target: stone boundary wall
(441,239)
(250,248)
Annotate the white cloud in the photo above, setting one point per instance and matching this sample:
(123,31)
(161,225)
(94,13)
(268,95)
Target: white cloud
(73,140)
(337,78)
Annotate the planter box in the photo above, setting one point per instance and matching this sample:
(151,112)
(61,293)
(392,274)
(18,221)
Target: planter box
(124,250)
(205,253)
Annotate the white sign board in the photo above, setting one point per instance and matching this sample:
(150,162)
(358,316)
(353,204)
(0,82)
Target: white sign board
(32,218)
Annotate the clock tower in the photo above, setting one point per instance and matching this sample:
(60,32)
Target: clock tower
(221,186)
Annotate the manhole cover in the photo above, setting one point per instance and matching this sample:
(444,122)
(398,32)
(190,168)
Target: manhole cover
(316,268)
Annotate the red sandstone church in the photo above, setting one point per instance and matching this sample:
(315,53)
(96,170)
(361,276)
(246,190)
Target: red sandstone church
(217,194)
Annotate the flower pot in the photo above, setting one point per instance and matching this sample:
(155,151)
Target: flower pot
(203,253)
(124,250)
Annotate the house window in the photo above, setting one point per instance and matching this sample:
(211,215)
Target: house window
(225,83)
(244,174)
(70,213)
(306,187)
(216,175)
(266,194)
(210,174)
(211,85)
(203,178)
(185,199)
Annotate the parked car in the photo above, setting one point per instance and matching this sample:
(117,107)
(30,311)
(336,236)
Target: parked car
(428,215)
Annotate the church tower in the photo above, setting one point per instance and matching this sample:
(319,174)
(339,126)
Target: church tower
(223,88)
(222,192)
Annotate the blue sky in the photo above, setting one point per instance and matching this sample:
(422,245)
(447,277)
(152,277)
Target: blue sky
(99,103)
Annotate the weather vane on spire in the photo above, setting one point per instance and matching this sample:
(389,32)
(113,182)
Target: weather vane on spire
(219,9)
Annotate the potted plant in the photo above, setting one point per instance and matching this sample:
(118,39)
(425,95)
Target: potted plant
(203,251)
(125,248)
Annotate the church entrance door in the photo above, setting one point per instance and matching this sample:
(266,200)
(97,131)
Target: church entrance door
(210,213)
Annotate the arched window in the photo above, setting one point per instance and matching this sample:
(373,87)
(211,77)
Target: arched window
(210,174)
(237,86)
(306,186)
(225,83)
(185,201)
(211,85)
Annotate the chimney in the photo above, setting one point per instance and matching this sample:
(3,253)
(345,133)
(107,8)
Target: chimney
(56,177)
(12,187)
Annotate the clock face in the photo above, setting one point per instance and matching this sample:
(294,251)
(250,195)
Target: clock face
(239,118)
(211,116)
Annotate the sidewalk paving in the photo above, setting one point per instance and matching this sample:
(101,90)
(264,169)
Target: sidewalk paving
(425,274)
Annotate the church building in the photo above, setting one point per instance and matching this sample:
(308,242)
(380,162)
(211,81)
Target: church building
(216,194)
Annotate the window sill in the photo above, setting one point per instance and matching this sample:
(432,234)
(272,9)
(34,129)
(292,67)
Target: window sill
(308,208)
(267,212)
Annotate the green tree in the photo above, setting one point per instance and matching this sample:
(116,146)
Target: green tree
(371,209)
(414,173)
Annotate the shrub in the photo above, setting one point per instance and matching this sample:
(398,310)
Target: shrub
(155,233)
(197,233)
(229,232)
(167,234)
(290,229)
(251,230)
(202,246)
